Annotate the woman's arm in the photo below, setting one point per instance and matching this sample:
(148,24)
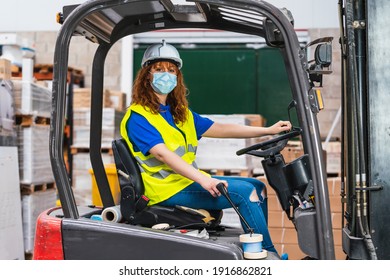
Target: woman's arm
(162,153)
(222,130)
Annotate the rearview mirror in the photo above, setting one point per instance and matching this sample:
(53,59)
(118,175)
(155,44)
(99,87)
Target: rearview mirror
(323,55)
(321,63)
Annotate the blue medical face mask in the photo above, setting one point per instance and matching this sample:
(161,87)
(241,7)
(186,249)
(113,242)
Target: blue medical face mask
(164,82)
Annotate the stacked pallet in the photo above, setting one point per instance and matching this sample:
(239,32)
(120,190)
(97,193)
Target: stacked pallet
(7,110)
(113,112)
(282,229)
(11,229)
(331,153)
(82,177)
(32,119)
(32,99)
(5,69)
(34,158)
(218,156)
(81,127)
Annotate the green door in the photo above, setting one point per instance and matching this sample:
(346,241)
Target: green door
(231,79)
(274,92)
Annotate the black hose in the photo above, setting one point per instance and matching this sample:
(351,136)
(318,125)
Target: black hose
(343,98)
(351,114)
(358,128)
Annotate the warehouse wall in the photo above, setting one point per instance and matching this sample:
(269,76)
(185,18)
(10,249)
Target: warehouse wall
(81,55)
(308,14)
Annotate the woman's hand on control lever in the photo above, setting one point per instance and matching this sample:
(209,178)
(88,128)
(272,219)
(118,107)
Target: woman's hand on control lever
(279,127)
(210,185)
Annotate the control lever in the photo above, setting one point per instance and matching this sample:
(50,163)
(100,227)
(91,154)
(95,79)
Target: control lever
(222,189)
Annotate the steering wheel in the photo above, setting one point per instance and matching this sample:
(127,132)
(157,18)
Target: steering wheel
(272,146)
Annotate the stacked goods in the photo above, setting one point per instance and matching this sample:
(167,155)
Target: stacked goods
(117,100)
(32,118)
(283,232)
(331,153)
(82,98)
(333,157)
(7,117)
(220,154)
(33,205)
(34,158)
(81,126)
(32,99)
(82,179)
(114,103)
(5,69)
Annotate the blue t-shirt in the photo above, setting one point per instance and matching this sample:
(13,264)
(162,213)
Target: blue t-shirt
(144,136)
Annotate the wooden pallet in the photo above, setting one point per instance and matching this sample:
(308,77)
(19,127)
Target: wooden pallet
(31,188)
(45,72)
(29,120)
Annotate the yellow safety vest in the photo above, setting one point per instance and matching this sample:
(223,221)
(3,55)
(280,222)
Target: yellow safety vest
(160,181)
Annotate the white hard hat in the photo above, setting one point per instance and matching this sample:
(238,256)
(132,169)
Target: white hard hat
(161,51)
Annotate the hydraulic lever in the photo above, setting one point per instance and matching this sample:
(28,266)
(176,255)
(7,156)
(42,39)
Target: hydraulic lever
(222,189)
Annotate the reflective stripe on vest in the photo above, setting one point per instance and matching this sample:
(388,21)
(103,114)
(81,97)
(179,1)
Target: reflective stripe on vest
(160,181)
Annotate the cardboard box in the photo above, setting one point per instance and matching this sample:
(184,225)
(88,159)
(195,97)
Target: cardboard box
(293,251)
(335,204)
(337,220)
(334,186)
(118,100)
(290,236)
(339,252)
(5,69)
(287,223)
(82,98)
(292,151)
(276,235)
(275,219)
(273,203)
(254,119)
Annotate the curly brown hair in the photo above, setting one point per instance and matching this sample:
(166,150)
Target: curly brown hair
(143,94)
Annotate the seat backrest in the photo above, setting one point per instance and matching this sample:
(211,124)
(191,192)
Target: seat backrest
(125,161)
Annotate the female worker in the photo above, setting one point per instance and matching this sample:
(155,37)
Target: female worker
(163,133)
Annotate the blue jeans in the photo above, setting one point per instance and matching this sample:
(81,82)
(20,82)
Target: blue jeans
(240,189)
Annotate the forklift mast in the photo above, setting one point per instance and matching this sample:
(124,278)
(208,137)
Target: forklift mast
(365,129)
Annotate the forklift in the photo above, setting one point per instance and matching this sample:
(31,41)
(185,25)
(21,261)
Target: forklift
(365,175)
(69,232)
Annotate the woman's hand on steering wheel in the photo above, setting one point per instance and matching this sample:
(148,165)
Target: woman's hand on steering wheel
(280,126)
